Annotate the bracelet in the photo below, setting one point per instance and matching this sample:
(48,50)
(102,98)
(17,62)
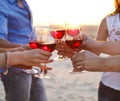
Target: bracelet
(3,59)
(8,60)
(5,63)
(2,50)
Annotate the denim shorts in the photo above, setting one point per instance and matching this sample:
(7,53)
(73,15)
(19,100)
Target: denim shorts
(106,93)
(21,86)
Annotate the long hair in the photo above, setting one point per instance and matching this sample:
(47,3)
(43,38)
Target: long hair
(117,7)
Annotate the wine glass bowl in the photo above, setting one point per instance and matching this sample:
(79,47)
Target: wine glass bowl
(33,44)
(42,40)
(73,36)
(74,44)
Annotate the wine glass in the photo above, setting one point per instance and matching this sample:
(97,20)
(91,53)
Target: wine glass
(57,30)
(73,36)
(33,45)
(42,39)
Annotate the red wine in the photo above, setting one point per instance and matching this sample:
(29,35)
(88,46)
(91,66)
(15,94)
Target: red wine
(44,46)
(58,34)
(73,32)
(33,44)
(74,44)
(47,46)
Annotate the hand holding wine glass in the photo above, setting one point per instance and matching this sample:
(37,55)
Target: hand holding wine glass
(73,36)
(57,30)
(42,39)
(64,49)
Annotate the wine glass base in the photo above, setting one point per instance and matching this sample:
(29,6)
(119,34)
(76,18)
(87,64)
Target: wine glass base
(76,72)
(30,71)
(60,58)
(42,76)
(37,73)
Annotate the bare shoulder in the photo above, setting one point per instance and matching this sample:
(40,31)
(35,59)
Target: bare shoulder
(102,30)
(103,22)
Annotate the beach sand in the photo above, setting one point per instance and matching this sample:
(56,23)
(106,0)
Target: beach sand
(63,86)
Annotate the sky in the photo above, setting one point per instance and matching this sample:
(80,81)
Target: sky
(86,12)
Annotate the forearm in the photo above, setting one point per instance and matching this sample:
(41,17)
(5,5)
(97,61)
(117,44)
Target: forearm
(7,44)
(112,48)
(110,64)
(14,58)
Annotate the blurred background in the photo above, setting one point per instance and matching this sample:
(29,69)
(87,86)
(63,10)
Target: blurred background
(87,12)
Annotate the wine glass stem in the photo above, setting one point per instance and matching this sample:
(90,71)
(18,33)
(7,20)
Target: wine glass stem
(43,68)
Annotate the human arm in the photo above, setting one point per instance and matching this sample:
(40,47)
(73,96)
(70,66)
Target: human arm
(102,32)
(6,44)
(31,57)
(101,45)
(91,62)
(13,47)
(108,47)
(101,36)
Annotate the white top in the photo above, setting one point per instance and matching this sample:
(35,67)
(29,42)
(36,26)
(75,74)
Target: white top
(112,79)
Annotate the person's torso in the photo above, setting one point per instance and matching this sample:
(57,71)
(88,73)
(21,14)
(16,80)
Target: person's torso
(19,24)
(112,79)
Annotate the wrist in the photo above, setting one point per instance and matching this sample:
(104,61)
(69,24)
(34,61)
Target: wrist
(104,64)
(97,47)
(26,46)
(15,58)
(71,55)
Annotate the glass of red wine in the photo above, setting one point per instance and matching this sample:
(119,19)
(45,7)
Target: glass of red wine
(73,36)
(42,39)
(57,30)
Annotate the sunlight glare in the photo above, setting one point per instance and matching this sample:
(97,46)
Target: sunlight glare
(83,11)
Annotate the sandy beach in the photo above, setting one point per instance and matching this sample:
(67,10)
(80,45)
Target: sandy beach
(63,86)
